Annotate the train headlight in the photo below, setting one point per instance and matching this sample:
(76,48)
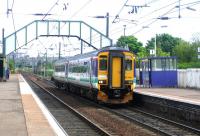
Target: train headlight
(129,82)
(102,81)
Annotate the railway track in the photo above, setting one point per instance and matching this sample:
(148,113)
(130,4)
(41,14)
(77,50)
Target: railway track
(185,127)
(73,122)
(156,123)
(134,116)
(92,111)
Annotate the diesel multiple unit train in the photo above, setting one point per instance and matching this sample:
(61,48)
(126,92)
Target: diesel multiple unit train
(106,75)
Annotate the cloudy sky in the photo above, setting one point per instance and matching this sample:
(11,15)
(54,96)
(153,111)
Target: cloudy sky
(142,18)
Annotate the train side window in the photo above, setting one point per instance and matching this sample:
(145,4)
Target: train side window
(103,63)
(128,65)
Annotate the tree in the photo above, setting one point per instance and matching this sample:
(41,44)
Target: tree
(185,52)
(159,52)
(11,64)
(165,42)
(130,41)
(134,46)
(196,43)
(142,53)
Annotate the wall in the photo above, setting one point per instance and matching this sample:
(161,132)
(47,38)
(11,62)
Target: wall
(187,78)
(181,75)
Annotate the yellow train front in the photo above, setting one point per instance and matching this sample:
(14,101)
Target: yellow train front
(115,75)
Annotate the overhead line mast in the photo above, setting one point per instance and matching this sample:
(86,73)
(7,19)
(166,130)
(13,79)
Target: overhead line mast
(179,16)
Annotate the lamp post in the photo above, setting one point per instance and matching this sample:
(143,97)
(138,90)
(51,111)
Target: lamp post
(124,30)
(155,42)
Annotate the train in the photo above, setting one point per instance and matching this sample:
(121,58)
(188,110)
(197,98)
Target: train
(106,75)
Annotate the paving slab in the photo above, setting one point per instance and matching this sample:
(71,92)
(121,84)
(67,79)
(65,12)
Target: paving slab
(37,124)
(20,115)
(12,119)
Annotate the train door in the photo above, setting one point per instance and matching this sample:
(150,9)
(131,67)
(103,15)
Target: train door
(116,72)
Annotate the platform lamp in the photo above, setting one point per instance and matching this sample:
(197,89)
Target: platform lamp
(124,30)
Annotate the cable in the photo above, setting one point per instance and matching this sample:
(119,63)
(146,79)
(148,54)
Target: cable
(190,4)
(71,16)
(147,14)
(13,21)
(158,10)
(50,9)
(12,4)
(119,12)
(80,9)
(151,2)
(155,19)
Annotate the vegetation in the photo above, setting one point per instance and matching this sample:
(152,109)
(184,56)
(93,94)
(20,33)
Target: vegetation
(134,45)
(164,42)
(185,52)
(167,45)
(11,65)
(131,42)
(188,65)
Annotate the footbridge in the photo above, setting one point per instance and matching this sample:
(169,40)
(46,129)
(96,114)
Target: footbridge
(56,28)
(86,35)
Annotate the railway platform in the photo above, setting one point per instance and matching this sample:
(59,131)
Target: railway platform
(20,112)
(177,104)
(190,96)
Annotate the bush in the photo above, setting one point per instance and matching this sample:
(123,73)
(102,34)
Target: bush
(189,65)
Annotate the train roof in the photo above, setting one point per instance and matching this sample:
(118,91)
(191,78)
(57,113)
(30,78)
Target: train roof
(113,48)
(85,55)
(90,54)
(60,61)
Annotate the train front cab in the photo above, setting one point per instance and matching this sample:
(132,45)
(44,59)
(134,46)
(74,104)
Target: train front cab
(115,77)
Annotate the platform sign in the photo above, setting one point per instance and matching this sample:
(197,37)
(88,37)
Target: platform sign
(152,52)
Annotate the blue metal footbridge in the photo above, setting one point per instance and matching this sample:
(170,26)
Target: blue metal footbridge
(54,28)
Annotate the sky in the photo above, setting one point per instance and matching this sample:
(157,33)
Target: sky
(139,18)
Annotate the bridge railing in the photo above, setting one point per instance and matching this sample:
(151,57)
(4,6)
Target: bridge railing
(57,28)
